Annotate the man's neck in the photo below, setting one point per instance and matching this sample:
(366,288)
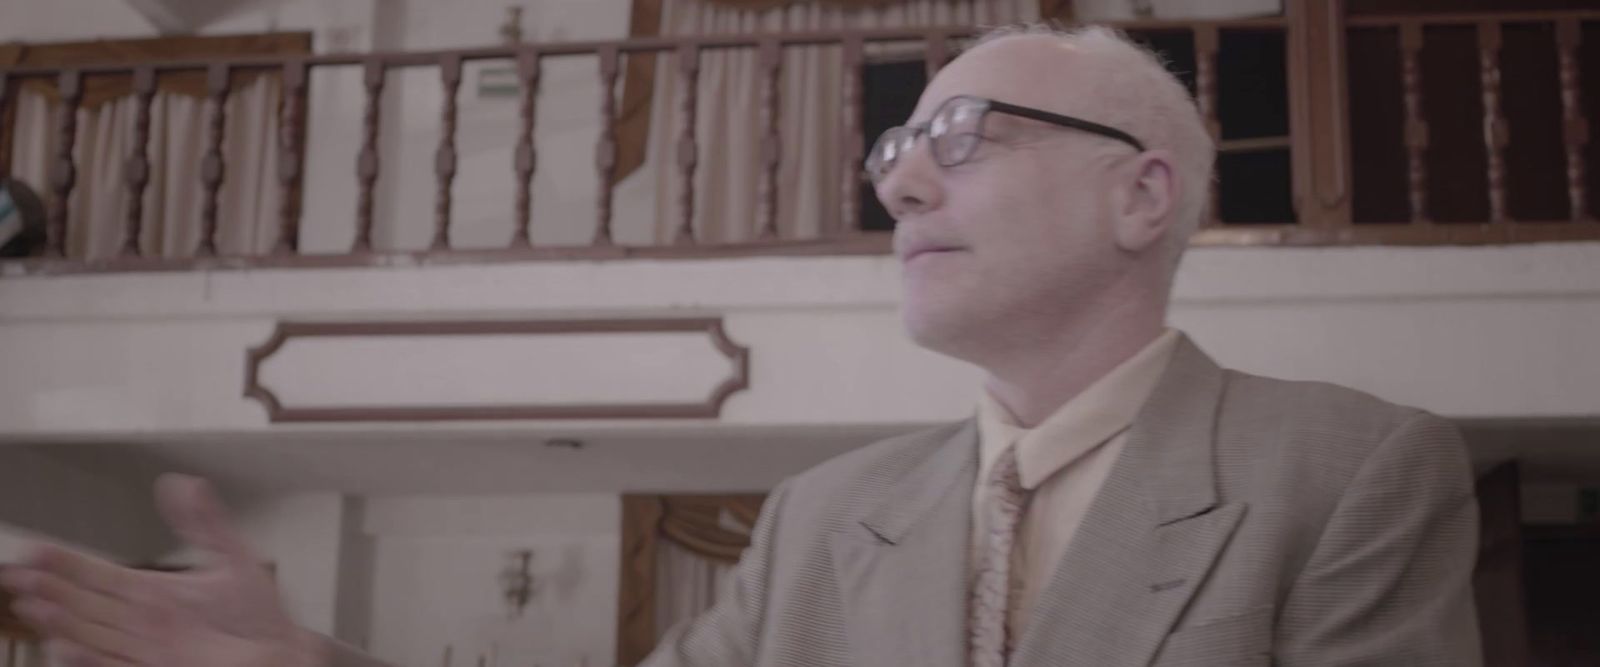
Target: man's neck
(1033,380)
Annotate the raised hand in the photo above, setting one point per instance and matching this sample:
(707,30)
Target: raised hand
(225,613)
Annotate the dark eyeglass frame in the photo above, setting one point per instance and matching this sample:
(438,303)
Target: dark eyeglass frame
(987,105)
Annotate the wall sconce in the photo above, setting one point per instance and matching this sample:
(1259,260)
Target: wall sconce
(516,581)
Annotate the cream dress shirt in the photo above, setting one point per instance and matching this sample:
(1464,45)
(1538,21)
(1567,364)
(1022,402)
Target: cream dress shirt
(1063,462)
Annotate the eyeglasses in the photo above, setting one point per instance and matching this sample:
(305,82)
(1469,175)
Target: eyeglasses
(956,128)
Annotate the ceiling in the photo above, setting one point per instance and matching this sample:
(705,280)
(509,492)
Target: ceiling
(689,458)
(720,459)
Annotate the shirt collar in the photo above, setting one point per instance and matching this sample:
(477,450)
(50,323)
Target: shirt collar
(1101,412)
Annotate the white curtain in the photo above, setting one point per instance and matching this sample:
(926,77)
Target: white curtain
(179,127)
(686,584)
(728,121)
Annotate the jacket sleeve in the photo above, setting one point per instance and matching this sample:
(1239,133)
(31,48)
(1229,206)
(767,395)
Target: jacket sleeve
(729,634)
(1390,579)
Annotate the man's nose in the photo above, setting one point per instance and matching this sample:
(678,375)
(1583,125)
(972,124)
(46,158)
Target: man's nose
(914,185)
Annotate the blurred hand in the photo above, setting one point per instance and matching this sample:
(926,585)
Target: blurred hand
(226,613)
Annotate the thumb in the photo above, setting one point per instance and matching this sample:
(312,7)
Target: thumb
(192,508)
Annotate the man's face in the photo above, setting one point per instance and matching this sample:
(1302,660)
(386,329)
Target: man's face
(1015,233)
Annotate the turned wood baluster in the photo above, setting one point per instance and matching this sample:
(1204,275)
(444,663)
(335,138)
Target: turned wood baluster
(367,164)
(605,161)
(7,94)
(771,141)
(850,136)
(138,176)
(1416,125)
(688,156)
(212,169)
(938,52)
(1575,126)
(1494,125)
(291,130)
(527,156)
(1206,45)
(64,175)
(444,161)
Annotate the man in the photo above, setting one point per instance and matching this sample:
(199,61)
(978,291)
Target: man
(1119,499)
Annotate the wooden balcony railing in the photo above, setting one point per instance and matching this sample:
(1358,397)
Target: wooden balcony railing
(1319,141)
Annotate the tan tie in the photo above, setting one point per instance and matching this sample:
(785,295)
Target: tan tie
(993,586)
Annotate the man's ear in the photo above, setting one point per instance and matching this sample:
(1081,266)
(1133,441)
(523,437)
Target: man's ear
(1145,199)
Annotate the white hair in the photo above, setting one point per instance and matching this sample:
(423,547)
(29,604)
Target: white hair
(1139,95)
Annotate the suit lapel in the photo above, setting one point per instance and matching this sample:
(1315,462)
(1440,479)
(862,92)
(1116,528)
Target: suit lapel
(902,568)
(1150,537)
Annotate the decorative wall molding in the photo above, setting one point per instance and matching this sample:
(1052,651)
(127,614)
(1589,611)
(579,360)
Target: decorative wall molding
(603,337)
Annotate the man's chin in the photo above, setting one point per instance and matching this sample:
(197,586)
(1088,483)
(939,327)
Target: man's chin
(937,330)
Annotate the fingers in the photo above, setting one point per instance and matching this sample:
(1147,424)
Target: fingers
(193,510)
(96,606)
(93,643)
(69,654)
(81,570)
(78,601)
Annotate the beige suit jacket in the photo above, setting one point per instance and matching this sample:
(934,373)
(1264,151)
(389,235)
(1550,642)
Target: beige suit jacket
(1248,521)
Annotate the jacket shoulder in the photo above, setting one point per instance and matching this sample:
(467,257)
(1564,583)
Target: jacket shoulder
(837,490)
(1303,444)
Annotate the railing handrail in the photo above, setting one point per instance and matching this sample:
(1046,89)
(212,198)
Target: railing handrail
(432,57)
(1472,18)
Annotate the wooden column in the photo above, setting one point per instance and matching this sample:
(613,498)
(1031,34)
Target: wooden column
(688,152)
(850,137)
(1575,127)
(636,603)
(444,159)
(64,176)
(214,169)
(1497,579)
(1416,125)
(771,140)
(291,156)
(138,176)
(527,157)
(1319,119)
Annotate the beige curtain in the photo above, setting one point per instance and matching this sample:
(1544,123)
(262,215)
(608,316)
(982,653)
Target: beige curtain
(20,653)
(248,201)
(703,537)
(728,123)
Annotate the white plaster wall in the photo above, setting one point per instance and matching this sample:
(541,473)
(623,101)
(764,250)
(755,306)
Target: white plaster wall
(41,497)
(302,535)
(1467,332)
(438,559)
(70,20)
